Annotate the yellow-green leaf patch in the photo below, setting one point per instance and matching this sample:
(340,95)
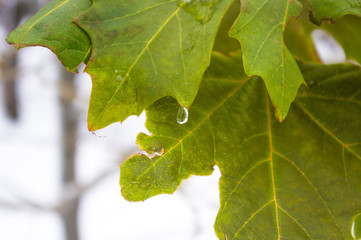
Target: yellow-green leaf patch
(259,28)
(53,27)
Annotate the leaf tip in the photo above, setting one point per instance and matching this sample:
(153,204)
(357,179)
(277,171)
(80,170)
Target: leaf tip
(280,119)
(279,115)
(92,123)
(11,42)
(91,128)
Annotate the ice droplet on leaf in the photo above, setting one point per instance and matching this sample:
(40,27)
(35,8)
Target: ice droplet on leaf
(152,153)
(97,134)
(202,10)
(182,115)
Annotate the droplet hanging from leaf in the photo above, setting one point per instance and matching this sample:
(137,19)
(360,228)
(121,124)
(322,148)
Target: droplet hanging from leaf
(356,227)
(182,116)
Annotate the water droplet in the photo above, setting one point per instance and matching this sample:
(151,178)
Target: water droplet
(182,115)
(119,78)
(203,10)
(356,227)
(98,135)
(152,153)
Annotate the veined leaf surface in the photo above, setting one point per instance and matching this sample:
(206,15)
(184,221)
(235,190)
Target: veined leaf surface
(259,28)
(185,149)
(299,179)
(145,50)
(53,27)
(293,180)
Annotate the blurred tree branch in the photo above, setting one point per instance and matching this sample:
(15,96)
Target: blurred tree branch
(72,192)
(11,14)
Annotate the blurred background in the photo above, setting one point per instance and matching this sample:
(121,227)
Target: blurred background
(60,182)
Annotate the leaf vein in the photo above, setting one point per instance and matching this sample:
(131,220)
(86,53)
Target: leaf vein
(191,131)
(262,45)
(44,16)
(313,187)
(181,51)
(329,98)
(134,13)
(136,61)
(252,216)
(314,120)
(271,163)
(240,181)
(295,220)
(254,15)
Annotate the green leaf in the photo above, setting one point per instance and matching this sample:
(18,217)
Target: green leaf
(185,149)
(331,10)
(259,28)
(145,50)
(293,180)
(173,153)
(347,31)
(53,27)
(299,179)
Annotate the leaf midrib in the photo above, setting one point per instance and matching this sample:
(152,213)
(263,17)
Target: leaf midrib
(297,168)
(323,128)
(271,163)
